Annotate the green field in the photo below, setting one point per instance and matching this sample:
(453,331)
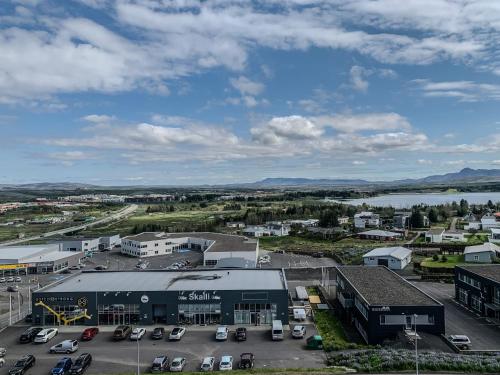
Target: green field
(451,262)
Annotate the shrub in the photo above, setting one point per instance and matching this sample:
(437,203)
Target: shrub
(444,259)
(435,257)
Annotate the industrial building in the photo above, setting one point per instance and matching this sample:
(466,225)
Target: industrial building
(395,258)
(240,296)
(381,304)
(36,259)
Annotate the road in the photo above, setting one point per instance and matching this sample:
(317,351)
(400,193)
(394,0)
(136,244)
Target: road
(453,224)
(115,216)
(459,321)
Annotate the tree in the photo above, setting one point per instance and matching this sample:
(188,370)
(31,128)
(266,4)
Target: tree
(416,219)
(433,215)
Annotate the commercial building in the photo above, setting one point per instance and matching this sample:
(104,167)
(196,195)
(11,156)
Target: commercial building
(379,235)
(109,242)
(381,304)
(395,258)
(485,253)
(478,287)
(81,244)
(214,246)
(36,259)
(242,296)
(366,219)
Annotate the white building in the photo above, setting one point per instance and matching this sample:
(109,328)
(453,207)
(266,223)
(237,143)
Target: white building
(235,224)
(109,242)
(269,229)
(473,225)
(495,235)
(343,220)
(395,258)
(484,253)
(81,244)
(434,235)
(453,236)
(366,219)
(304,223)
(489,221)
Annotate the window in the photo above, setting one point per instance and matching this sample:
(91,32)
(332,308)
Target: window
(469,280)
(211,262)
(476,257)
(361,307)
(254,313)
(475,302)
(462,295)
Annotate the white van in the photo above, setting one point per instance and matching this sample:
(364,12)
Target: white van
(66,346)
(277,330)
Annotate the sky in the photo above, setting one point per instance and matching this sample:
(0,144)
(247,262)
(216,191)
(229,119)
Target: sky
(183,92)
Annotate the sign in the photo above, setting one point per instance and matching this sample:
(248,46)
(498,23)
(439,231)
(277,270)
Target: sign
(195,296)
(82,302)
(144,299)
(13,266)
(54,299)
(383,308)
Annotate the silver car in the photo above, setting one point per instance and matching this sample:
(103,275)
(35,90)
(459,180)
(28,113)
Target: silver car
(178,364)
(207,364)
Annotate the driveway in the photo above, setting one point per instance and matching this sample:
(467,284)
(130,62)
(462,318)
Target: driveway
(483,335)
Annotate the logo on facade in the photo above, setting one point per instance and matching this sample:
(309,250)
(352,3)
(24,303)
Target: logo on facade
(144,298)
(383,308)
(199,296)
(82,302)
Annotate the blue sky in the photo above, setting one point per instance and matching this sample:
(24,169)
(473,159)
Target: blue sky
(187,92)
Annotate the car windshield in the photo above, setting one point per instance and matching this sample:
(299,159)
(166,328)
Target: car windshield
(19,364)
(176,363)
(224,363)
(175,331)
(60,364)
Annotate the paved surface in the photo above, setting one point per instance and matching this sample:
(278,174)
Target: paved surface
(459,321)
(114,216)
(296,261)
(117,357)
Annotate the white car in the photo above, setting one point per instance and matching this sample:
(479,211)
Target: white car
(221,334)
(226,363)
(263,259)
(178,364)
(460,341)
(45,335)
(298,332)
(207,364)
(137,333)
(3,279)
(3,351)
(10,279)
(177,333)
(66,346)
(18,279)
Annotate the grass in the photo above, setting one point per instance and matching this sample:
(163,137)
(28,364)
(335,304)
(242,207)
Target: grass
(477,239)
(451,262)
(332,332)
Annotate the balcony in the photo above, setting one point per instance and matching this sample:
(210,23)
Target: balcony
(345,299)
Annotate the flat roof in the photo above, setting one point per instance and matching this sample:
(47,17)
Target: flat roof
(52,256)
(132,281)
(488,271)
(380,286)
(223,242)
(380,233)
(14,253)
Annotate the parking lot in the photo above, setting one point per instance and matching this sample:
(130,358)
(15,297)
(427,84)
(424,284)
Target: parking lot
(279,260)
(483,334)
(118,357)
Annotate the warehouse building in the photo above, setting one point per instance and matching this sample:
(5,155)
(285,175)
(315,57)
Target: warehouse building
(214,246)
(36,259)
(241,296)
(381,304)
(395,258)
(81,244)
(478,287)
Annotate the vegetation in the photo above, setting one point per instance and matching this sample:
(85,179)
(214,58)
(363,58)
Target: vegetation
(444,261)
(331,331)
(284,371)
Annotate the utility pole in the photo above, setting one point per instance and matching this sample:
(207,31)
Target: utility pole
(18,304)
(10,309)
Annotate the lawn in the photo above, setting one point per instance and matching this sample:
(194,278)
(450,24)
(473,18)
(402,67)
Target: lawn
(477,239)
(451,262)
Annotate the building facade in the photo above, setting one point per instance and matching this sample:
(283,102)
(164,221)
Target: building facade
(243,296)
(394,258)
(366,219)
(81,244)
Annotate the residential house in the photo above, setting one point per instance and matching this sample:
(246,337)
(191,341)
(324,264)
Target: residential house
(343,220)
(453,236)
(484,253)
(490,221)
(366,219)
(495,235)
(235,224)
(434,235)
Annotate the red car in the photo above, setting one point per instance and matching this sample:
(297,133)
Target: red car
(89,333)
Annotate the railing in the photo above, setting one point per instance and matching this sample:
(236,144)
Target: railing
(345,301)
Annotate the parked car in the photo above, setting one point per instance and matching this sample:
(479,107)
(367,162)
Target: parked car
(137,333)
(314,342)
(460,341)
(121,332)
(178,364)
(101,268)
(221,333)
(2,362)
(66,346)
(10,279)
(45,335)
(177,333)
(318,254)
(3,279)
(29,335)
(241,334)
(89,333)
(298,332)
(22,365)
(226,363)
(62,367)
(158,333)
(81,364)
(160,364)
(207,364)
(246,360)
(28,318)
(3,351)
(18,279)
(74,268)
(12,288)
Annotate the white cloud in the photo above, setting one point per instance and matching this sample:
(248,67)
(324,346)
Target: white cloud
(358,162)
(362,122)
(357,77)
(280,129)
(424,162)
(96,119)
(466,91)
(246,86)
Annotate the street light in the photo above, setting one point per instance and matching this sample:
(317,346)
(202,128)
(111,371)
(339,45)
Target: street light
(416,344)
(138,358)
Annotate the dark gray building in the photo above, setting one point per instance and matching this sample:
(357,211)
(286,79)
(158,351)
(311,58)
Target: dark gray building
(478,288)
(216,296)
(381,304)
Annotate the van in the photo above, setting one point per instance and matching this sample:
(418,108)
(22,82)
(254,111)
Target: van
(277,330)
(121,333)
(66,346)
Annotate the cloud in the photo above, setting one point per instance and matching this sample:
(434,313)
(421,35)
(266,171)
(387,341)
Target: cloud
(424,162)
(465,91)
(280,129)
(96,119)
(358,162)
(362,122)
(246,86)
(357,76)
(68,158)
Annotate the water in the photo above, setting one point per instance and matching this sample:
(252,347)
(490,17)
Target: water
(431,199)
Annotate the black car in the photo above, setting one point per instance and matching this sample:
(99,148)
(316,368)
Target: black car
(246,361)
(241,334)
(318,254)
(22,365)
(28,318)
(29,335)
(81,364)
(158,333)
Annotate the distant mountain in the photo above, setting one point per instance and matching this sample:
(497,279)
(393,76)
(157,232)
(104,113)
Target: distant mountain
(308,182)
(47,186)
(466,174)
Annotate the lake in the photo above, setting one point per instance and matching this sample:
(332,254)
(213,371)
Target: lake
(431,199)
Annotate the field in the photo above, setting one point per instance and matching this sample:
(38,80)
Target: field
(451,262)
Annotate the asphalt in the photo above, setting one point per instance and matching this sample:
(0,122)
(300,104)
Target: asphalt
(118,357)
(483,334)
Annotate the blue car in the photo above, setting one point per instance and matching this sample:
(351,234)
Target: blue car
(62,366)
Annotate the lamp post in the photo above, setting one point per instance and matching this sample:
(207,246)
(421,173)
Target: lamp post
(138,358)
(416,344)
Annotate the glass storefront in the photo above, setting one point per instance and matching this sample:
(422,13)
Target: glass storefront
(118,314)
(200,314)
(69,311)
(254,313)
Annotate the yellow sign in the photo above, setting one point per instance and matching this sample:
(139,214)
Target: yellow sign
(13,266)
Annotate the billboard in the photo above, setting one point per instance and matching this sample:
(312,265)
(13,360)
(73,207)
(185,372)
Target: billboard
(13,266)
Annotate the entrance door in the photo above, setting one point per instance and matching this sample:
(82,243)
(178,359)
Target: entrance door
(118,319)
(200,319)
(383,262)
(408,322)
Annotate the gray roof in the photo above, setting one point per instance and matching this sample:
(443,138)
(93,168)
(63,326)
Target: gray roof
(485,247)
(436,231)
(131,281)
(490,271)
(380,286)
(19,253)
(397,252)
(223,242)
(380,233)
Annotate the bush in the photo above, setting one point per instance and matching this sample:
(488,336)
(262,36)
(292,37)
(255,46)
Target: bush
(444,259)
(435,257)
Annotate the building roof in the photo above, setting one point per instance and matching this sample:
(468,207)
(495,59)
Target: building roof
(485,247)
(365,214)
(381,287)
(435,231)
(380,233)
(132,281)
(397,252)
(222,242)
(13,254)
(53,256)
(236,262)
(495,230)
(489,271)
